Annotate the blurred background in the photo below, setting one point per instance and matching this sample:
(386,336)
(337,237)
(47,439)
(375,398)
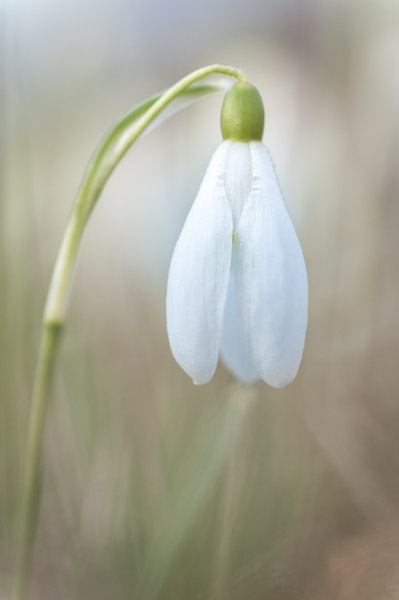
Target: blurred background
(153,489)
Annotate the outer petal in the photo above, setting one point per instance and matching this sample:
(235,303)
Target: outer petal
(233,350)
(271,277)
(199,274)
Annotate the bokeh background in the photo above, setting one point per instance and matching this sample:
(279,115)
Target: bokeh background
(149,493)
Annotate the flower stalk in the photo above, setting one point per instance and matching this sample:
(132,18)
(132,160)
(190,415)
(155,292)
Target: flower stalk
(108,154)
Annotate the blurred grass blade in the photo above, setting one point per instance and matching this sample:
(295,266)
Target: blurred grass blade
(197,479)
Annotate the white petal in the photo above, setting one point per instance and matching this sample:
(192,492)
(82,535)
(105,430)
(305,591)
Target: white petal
(233,349)
(199,274)
(271,277)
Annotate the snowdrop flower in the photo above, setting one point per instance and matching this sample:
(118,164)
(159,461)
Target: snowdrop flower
(237,282)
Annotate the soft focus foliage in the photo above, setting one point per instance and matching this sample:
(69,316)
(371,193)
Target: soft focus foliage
(141,498)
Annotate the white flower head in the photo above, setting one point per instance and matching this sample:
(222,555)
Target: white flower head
(237,282)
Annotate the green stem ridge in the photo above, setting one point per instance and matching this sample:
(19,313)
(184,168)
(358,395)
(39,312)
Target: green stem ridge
(110,151)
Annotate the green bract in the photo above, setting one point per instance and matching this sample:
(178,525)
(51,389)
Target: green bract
(243,115)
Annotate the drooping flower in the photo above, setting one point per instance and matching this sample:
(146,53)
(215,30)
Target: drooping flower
(237,281)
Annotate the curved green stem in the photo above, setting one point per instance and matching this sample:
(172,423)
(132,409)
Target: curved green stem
(108,154)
